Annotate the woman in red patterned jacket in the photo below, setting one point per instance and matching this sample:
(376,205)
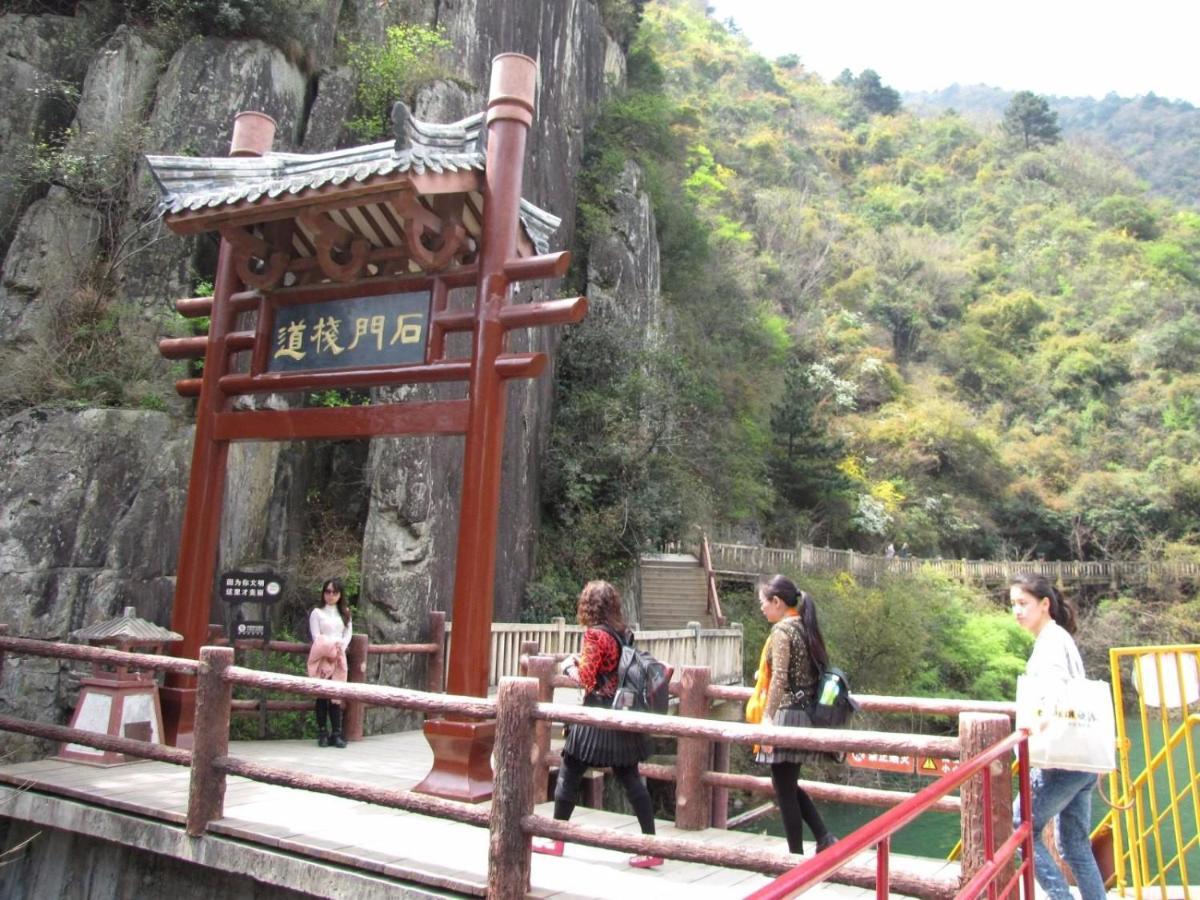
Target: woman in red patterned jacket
(595,669)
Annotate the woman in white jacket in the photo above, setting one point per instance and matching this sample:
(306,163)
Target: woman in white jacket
(1063,793)
(329,626)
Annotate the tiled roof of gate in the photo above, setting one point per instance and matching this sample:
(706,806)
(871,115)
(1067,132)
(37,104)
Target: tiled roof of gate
(191,184)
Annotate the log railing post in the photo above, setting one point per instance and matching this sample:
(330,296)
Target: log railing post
(542,668)
(560,635)
(976,733)
(697,659)
(3,633)
(356,663)
(206,793)
(693,798)
(435,666)
(720,795)
(512,789)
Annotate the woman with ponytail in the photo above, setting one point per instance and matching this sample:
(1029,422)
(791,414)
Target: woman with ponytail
(793,658)
(1063,793)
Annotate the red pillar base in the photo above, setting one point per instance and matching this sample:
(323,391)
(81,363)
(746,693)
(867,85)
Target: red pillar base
(179,716)
(462,760)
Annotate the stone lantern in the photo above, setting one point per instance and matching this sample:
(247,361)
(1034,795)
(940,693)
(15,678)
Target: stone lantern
(115,699)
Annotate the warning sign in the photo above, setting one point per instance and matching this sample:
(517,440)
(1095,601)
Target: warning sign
(934,767)
(887,762)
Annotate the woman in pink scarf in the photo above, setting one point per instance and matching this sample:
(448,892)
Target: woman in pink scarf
(329,625)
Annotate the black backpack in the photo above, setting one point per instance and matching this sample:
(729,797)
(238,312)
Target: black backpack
(643,683)
(832,706)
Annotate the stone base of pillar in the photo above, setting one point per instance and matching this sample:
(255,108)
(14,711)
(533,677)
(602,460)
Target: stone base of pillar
(179,716)
(462,760)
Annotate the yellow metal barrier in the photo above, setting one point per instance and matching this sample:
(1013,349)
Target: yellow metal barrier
(1165,679)
(1155,825)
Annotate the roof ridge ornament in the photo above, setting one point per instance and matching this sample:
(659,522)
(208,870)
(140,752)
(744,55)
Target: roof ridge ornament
(401,116)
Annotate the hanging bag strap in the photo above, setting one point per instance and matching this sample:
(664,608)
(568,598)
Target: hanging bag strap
(1120,807)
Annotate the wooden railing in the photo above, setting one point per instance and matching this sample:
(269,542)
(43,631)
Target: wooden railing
(718,648)
(522,721)
(744,561)
(710,581)
(545,669)
(999,876)
(356,670)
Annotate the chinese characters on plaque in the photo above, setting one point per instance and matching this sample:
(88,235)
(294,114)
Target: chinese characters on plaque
(390,329)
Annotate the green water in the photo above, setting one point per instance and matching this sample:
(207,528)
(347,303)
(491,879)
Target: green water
(935,834)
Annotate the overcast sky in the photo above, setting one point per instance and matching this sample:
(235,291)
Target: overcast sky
(1073,48)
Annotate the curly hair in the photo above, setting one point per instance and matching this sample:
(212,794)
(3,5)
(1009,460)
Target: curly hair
(600,604)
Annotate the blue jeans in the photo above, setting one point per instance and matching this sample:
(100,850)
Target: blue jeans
(1068,795)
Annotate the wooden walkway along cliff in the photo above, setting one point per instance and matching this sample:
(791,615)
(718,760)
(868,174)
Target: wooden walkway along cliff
(745,562)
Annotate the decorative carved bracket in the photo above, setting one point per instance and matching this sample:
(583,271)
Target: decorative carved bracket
(329,238)
(433,240)
(249,250)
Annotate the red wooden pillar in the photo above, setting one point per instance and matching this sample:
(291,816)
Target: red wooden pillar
(462,749)
(253,134)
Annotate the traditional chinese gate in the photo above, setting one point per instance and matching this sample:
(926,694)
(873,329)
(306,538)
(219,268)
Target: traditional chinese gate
(347,258)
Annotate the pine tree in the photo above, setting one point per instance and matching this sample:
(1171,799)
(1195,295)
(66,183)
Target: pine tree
(1030,119)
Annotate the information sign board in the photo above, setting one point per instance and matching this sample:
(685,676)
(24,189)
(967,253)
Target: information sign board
(887,762)
(248,595)
(933,767)
(251,587)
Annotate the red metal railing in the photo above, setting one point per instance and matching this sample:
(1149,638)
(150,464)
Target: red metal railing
(878,833)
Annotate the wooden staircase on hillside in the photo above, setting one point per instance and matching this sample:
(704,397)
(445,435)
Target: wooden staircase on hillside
(674,591)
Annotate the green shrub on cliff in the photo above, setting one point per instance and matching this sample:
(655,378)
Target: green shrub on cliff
(411,55)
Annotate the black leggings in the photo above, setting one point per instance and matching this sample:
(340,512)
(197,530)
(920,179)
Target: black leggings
(570,776)
(795,806)
(326,709)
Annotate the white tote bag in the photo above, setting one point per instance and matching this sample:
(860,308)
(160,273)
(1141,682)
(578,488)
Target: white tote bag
(1070,722)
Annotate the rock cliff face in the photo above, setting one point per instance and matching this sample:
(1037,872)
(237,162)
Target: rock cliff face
(35,63)
(91,501)
(88,511)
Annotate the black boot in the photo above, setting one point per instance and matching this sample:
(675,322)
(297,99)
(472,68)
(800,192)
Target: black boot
(335,720)
(321,707)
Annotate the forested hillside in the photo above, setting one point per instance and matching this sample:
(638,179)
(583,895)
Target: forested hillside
(1158,138)
(880,327)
